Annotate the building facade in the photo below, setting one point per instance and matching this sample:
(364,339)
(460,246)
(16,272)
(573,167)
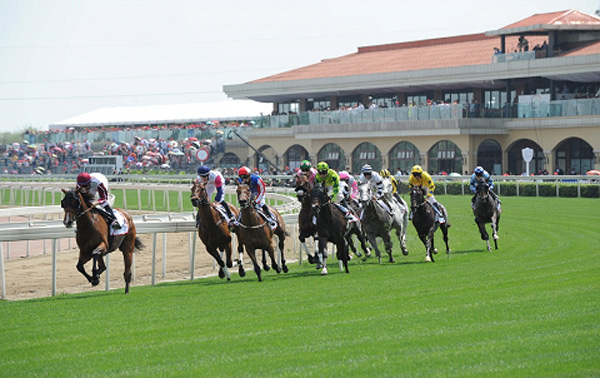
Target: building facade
(448,104)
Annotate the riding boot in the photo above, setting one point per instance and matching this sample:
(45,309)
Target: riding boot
(114,222)
(227,211)
(436,207)
(497,199)
(270,216)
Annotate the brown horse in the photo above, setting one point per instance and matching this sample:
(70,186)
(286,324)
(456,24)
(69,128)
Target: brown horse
(93,236)
(254,231)
(212,227)
(425,221)
(305,217)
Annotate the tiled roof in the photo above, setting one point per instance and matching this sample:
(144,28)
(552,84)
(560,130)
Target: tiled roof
(590,49)
(458,51)
(568,17)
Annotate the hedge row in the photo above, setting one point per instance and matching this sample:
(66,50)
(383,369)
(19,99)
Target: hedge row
(525,189)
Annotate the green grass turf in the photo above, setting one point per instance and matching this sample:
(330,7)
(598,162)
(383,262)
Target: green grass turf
(529,309)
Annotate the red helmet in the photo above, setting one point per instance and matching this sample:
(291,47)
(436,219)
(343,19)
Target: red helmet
(243,171)
(83,179)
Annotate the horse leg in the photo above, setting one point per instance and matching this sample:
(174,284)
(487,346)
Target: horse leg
(127,260)
(373,241)
(444,228)
(344,253)
(95,276)
(81,266)
(363,242)
(266,266)
(240,261)
(252,254)
(495,230)
(281,246)
(323,255)
(223,271)
(270,250)
(388,247)
(484,235)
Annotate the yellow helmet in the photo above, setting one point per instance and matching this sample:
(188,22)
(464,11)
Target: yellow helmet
(416,169)
(384,173)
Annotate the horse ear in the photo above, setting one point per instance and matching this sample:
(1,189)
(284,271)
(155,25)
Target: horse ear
(64,190)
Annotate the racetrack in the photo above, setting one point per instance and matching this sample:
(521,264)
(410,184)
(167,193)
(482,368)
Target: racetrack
(31,277)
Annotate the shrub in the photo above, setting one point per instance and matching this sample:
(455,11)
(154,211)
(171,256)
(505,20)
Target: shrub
(527,189)
(590,191)
(568,190)
(548,190)
(506,188)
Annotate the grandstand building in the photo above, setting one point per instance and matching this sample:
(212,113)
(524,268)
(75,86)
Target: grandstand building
(448,104)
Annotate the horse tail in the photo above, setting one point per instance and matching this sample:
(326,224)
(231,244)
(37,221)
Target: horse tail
(138,244)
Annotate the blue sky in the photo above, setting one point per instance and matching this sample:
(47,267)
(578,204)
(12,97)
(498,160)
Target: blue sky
(62,58)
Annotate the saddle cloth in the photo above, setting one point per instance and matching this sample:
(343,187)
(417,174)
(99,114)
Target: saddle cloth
(124,225)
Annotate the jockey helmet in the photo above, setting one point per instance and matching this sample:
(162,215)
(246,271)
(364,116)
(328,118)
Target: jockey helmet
(305,165)
(83,179)
(203,170)
(479,170)
(384,173)
(416,170)
(244,171)
(344,175)
(323,167)
(367,169)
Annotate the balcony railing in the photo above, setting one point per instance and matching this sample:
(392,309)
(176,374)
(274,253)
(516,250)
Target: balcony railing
(559,108)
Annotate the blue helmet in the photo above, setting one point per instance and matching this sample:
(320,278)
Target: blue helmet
(479,170)
(203,170)
(367,168)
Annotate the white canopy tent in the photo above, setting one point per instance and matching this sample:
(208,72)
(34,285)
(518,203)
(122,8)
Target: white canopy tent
(156,114)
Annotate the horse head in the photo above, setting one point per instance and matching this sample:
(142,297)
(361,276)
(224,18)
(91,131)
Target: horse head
(417,197)
(71,204)
(483,190)
(302,187)
(319,197)
(364,193)
(199,195)
(244,195)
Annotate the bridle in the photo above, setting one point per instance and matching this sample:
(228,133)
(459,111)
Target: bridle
(247,203)
(413,194)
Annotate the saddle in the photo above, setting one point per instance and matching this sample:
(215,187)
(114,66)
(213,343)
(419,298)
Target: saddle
(271,221)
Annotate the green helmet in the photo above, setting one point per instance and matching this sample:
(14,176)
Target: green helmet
(322,166)
(305,165)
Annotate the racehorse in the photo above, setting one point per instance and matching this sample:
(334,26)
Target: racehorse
(425,221)
(305,218)
(485,211)
(255,233)
(212,227)
(378,222)
(331,226)
(93,236)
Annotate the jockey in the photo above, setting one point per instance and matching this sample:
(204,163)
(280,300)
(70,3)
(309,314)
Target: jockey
(306,169)
(418,177)
(96,185)
(331,181)
(376,184)
(351,183)
(213,180)
(385,174)
(479,175)
(257,187)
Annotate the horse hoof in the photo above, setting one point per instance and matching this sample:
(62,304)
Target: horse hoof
(221,273)
(266,268)
(392,260)
(241,272)
(496,236)
(95,281)
(319,266)
(427,259)
(324,271)
(435,251)
(448,251)
(405,252)
(285,269)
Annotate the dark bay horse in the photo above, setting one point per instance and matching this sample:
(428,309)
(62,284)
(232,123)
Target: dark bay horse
(331,226)
(485,211)
(93,236)
(305,217)
(425,222)
(378,223)
(254,231)
(212,227)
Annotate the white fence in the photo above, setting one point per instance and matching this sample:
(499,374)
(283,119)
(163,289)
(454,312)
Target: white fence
(155,223)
